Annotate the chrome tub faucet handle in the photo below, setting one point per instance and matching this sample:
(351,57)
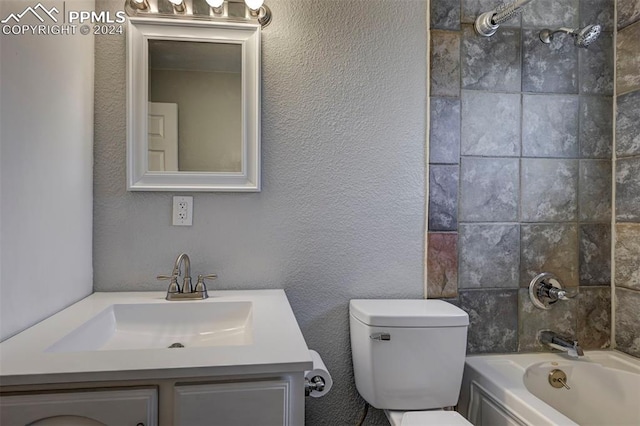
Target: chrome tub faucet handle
(545,290)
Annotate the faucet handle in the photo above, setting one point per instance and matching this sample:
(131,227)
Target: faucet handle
(173,285)
(208,277)
(545,290)
(559,294)
(200,285)
(167,277)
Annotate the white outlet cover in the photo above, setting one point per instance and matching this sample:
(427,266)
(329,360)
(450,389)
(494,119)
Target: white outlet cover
(182,212)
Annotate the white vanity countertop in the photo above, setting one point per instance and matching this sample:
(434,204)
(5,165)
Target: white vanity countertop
(277,345)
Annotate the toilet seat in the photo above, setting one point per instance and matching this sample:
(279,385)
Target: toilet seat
(426,418)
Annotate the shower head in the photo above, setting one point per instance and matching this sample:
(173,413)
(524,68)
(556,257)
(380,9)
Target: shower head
(583,37)
(588,35)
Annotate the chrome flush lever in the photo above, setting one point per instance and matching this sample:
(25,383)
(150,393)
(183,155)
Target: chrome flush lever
(380,336)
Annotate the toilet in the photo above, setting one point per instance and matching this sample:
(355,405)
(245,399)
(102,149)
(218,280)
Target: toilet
(408,358)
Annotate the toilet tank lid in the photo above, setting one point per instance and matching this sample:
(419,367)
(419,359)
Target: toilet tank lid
(408,313)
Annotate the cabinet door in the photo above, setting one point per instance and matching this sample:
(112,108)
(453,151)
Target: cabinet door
(90,408)
(264,403)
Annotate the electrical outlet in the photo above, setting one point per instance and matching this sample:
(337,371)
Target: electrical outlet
(183,211)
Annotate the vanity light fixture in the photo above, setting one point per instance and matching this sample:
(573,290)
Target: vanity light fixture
(218,10)
(178,6)
(139,4)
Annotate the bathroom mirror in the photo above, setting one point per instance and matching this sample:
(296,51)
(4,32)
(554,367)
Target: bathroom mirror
(193,105)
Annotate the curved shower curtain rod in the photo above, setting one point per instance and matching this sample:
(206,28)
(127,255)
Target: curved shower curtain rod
(487,23)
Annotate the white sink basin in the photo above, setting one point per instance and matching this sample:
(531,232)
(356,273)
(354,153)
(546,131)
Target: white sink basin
(126,335)
(160,325)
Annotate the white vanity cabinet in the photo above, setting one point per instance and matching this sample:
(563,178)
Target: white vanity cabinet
(265,403)
(122,407)
(243,400)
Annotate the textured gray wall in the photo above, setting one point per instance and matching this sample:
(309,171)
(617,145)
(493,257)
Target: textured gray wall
(341,213)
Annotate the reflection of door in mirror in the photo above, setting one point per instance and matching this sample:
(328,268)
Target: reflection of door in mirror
(163,137)
(205,81)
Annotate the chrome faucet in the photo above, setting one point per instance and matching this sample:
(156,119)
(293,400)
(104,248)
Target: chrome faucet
(564,344)
(186,292)
(186,277)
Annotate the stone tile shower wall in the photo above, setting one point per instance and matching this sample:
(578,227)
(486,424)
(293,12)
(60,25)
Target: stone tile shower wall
(627,205)
(520,171)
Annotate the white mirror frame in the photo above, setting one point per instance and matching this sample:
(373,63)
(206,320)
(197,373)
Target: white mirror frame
(139,32)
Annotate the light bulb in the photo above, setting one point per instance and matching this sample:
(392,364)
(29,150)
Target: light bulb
(254,4)
(215,3)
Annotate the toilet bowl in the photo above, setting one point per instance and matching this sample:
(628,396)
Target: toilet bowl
(408,358)
(426,418)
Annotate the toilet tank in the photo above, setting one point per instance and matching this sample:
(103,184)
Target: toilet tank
(420,365)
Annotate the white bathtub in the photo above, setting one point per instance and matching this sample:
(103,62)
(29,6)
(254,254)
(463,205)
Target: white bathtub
(514,390)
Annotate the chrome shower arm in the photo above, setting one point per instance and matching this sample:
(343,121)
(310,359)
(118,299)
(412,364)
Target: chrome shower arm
(564,30)
(546,35)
